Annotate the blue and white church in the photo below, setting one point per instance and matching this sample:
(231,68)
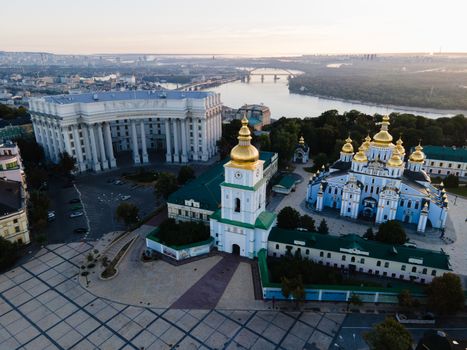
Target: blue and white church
(377,184)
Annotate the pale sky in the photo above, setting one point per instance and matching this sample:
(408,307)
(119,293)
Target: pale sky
(249,27)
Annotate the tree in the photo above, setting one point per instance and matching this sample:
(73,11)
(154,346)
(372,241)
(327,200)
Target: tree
(8,253)
(288,218)
(451,181)
(39,207)
(445,294)
(320,160)
(308,223)
(293,287)
(391,232)
(66,163)
(166,184)
(369,235)
(354,299)
(127,212)
(406,302)
(185,173)
(323,227)
(388,335)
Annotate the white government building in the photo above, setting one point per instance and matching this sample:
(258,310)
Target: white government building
(93,127)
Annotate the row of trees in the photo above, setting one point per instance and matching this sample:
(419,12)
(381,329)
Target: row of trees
(290,218)
(167,183)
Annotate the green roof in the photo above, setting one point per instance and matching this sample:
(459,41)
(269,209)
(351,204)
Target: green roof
(286,181)
(263,221)
(254,121)
(375,249)
(206,189)
(454,154)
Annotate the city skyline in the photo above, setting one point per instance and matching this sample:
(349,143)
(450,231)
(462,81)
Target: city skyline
(241,28)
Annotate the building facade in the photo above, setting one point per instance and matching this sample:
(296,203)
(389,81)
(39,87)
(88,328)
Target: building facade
(355,254)
(242,224)
(13,215)
(301,153)
(257,115)
(376,184)
(444,161)
(93,127)
(11,167)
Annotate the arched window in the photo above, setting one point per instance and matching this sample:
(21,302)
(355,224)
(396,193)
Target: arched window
(237,205)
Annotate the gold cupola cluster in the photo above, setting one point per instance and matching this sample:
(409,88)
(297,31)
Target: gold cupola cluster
(383,137)
(367,143)
(360,156)
(244,154)
(417,156)
(347,147)
(395,160)
(399,147)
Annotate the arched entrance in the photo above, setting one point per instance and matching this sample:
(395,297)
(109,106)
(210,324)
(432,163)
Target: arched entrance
(235,249)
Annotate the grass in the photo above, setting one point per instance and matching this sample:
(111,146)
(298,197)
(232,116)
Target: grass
(110,270)
(461,191)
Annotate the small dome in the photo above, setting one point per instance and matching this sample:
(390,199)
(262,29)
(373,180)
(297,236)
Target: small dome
(383,137)
(366,144)
(244,152)
(347,147)
(417,156)
(301,141)
(360,156)
(395,160)
(399,147)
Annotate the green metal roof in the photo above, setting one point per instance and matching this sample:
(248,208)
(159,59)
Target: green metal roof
(286,181)
(456,154)
(375,249)
(206,189)
(263,221)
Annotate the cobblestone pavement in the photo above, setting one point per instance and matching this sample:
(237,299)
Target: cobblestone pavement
(42,306)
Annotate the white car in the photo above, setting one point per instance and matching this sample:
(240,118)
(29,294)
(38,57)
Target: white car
(410,244)
(125,198)
(76,214)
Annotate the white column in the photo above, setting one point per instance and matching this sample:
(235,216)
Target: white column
(134,137)
(78,151)
(95,162)
(204,155)
(66,140)
(108,143)
(87,146)
(144,151)
(61,145)
(176,145)
(56,150)
(210,136)
(48,142)
(195,139)
(168,142)
(100,136)
(184,147)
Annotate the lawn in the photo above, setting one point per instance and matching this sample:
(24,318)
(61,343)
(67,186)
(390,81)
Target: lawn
(461,191)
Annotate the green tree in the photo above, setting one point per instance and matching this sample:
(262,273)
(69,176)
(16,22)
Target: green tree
(185,173)
(369,235)
(293,287)
(8,253)
(354,299)
(388,335)
(264,142)
(66,163)
(127,212)
(308,223)
(288,218)
(166,184)
(38,209)
(323,227)
(31,151)
(445,294)
(391,232)
(451,181)
(320,160)
(36,177)
(406,302)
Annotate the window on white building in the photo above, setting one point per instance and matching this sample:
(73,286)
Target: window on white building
(343,257)
(403,267)
(386,264)
(433,273)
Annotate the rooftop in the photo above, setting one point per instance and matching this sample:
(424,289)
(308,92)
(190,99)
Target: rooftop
(455,154)
(206,189)
(374,249)
(126,95)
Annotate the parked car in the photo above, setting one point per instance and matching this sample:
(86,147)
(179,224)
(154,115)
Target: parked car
(80,230)
(118,182)
(111,180)
(76,214)
(76,207)
(74,200)
(51,216)
(125,198)
(410,244)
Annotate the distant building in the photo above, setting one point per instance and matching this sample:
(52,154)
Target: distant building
(376,184)
(201,197)
(11,167)
(258,115)
(443,161)
(302,152)
(93,127)
(13,216)
(354,253)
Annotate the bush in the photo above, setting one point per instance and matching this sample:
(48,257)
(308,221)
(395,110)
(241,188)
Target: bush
(451,181)
(323,227)
(308,223)
(171,233)
(445,294)
(288,218)
(391,232)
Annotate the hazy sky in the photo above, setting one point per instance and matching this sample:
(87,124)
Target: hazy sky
(252,27)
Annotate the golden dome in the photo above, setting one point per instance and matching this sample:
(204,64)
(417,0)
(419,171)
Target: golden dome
(399,147)
(347,147)
(395,160)
(244,153)
(360,156)
(383,137)
(417,156)
(301,141)
(366,144)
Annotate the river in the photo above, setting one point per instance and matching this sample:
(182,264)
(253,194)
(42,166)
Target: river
(275,95)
